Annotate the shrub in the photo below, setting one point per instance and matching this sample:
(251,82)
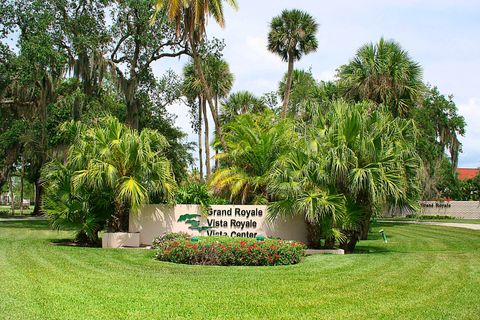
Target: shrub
(171,236)
(231,251)
(429,217)
(434,217)
(197,193)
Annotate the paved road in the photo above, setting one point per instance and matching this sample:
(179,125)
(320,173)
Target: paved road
(445,224)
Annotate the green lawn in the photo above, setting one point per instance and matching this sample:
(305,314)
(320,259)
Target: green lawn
(5,211)
(471,221)
(424,272)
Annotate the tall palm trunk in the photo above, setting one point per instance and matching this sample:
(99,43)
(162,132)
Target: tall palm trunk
(47,96)
(207,141)
(200,142)
(286,97)
(216,149)
(12,196)
(22,178)
(197,61)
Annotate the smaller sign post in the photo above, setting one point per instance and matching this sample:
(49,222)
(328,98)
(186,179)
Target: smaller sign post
(384,235)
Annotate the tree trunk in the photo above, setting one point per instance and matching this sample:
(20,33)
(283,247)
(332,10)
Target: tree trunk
(82,239)
(365,227)
(313,235)
(77,108)
(129,88)
(329,243)
(120,219)
(289,87)
(216,149)
(133,114)
(197,61)
(349,244)
(12,196)
(37,210)
(207,142)
(22,178)
(200,142)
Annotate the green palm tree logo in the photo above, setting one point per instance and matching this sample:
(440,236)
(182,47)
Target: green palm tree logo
(194,221)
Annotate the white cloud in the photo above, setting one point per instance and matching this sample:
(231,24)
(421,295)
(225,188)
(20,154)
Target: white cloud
(327,75)
(471,142)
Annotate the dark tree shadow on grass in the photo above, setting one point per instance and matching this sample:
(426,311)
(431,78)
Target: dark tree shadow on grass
(25,224)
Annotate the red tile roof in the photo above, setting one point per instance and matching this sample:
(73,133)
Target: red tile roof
(467,173)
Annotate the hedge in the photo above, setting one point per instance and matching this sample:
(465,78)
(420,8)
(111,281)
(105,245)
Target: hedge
(227,251)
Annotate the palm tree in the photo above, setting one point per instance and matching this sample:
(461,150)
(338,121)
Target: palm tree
(300,184)
(351,165)
(254,143)
(191,17)
(192,89)
(385,74)
(292,35)
(303,91)
(67,208)
(110,157)
(220,78)
(242,102)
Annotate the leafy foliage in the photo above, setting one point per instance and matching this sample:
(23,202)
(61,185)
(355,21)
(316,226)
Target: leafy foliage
(231,251)
(74,209)
(241,102)
(255,142)
(440,128)
(385,74)
(292,34)
(171,236)
(108,163)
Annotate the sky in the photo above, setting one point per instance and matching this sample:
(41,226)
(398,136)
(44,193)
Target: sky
(443,36)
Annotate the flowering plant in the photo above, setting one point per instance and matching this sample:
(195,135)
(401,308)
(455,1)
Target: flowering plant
(231,251)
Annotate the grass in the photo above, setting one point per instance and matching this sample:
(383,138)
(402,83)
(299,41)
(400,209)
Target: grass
(6,211)
(470,221)
(424,272)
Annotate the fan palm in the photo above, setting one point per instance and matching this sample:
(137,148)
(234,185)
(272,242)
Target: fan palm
(220,78)
(351,165)
(385,74)
(241,102)
(254,143)
(292,35)
(130,166)
(68,208)
(303,91)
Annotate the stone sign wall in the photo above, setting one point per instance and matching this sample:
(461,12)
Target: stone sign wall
(222,220)
(457,209)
